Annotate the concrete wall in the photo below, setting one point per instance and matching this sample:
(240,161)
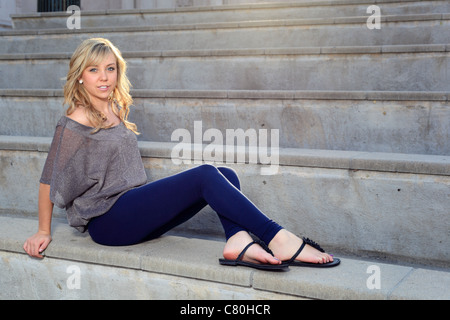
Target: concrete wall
(413,127)
(377,211)
(8,7)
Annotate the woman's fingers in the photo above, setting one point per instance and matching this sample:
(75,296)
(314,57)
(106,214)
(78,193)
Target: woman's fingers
(36,244)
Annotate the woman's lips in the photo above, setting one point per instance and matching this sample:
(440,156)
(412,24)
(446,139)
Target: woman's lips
(103,88)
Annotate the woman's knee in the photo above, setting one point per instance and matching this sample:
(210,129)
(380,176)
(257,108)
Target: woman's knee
(208,170)
(231,176)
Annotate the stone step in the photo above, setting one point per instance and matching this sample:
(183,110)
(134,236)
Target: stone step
(174,267)
(397,122)
(381,205)
(320,32)
(374,68)
(229,13)
(380,98)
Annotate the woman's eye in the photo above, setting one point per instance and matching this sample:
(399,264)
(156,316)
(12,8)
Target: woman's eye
(111,69)
(93,70)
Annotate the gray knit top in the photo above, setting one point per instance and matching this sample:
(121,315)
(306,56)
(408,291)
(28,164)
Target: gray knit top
(87,172)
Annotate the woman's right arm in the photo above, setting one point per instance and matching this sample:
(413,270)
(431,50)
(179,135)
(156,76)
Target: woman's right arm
(37,243)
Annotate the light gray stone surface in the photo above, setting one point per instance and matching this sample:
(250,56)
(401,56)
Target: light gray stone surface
(385,205)
(236,11)
(363,165)
(414,126)
(174,267)
(241,70)
(273,34)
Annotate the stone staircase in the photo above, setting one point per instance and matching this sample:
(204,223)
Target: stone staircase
(363,119)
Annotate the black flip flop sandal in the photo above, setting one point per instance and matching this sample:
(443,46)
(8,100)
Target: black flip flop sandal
(261,266)
(292,262)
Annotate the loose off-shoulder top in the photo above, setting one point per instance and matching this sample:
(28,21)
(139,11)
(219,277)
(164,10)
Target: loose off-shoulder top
(87,172)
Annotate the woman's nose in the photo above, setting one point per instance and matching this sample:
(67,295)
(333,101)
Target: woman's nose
(103,75)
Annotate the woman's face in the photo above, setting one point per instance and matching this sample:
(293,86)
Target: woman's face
(100,80)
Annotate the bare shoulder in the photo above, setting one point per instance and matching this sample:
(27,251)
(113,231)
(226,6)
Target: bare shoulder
(79,115)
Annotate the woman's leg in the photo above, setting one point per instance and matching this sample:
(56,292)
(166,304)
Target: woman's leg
(229,227)
(153,209)
(150,210)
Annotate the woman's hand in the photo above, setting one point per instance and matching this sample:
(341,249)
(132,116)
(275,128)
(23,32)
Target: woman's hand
(36,244)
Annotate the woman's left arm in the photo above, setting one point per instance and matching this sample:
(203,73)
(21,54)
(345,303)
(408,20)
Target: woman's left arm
(37,243)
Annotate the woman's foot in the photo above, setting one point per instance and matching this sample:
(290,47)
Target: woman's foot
(254,254)
(285,244)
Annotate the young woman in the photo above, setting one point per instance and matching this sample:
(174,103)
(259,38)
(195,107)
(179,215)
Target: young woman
(94,171)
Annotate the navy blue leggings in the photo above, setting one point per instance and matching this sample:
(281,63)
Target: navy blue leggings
(149,211)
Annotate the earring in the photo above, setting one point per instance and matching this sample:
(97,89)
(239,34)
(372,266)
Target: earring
(81,81)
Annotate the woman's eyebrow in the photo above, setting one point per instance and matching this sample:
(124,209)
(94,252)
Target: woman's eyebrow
(96,66)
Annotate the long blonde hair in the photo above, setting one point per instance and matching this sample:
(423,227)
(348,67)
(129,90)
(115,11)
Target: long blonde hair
(92,52)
